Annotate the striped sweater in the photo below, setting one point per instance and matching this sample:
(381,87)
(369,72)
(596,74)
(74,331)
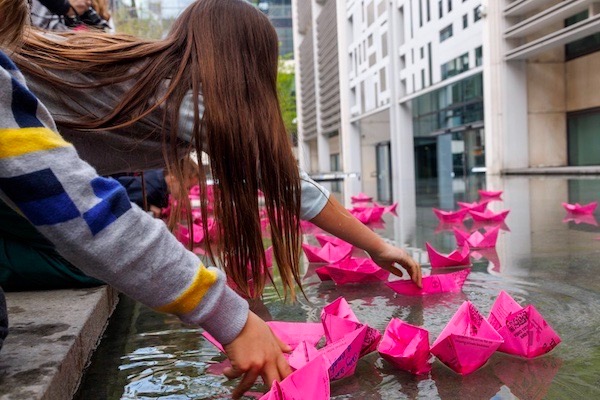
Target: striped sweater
(92,223)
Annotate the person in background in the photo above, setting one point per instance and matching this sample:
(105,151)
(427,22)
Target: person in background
(130,104)
(91,222)
(65,15)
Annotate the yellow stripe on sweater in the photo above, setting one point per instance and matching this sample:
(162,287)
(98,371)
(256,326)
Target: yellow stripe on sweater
(192,296)
(20,141)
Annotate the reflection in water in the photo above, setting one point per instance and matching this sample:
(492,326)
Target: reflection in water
(540,261)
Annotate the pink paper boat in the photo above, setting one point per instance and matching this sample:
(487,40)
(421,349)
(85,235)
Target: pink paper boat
(588,219)
(338,319)
(327,254)
(391,208)
(467,342)
(368,215)
(526,333)
(432,284)
(489,216)
(490,194)
(454,259)
(323,239)
(309,228)
(361,198)
(308,382)
(477,240)
(183,234)
(344,353)
(581,209)
(406,347)
(450,216)
(354,270)
(323,274)
(476,206)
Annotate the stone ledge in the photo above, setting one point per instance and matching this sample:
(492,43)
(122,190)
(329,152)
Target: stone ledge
(591,170)
(52,335)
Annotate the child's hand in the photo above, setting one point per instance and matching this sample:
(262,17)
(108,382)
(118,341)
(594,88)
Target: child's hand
(256,351)
(387,256)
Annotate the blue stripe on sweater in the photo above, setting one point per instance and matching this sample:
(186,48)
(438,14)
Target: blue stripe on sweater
(24,106)
(114,204)
(40,197)
(7,63)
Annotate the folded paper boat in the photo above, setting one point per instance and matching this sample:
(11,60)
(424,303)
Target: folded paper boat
(490,194)
(467,342)
(489,215)
(454,259)
(338,319)
(323,239)
(327,254)
(406,347)
(475,206)
(308,382)
(526,333)
(581,209)
(361,198)
(477,240)
(432,284)
(354,270)
(450,216)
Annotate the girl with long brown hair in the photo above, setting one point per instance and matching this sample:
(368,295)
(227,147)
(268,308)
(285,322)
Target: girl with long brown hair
(210,85)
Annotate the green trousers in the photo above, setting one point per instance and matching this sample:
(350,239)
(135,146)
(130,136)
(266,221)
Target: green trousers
(28,261)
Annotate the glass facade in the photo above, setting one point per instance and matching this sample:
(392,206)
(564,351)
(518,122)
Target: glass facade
(584,137)
(452,106)
(456,66)
(280,14)
(582,46)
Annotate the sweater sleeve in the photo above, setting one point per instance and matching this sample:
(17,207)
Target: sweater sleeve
(93,225)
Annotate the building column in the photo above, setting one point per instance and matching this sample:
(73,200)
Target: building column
(505,96)
(303,155)
(444,171)
(350,140)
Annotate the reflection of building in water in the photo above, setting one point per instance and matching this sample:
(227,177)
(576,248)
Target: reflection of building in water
(445,89)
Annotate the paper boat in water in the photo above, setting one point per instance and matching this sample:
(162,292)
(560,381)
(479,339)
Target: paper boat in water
(475,206)
(489,216)
(477,240)
(454,259)
(587,219)
(467,342)
(324,239)
(406,347)
(338,319)
(309,382)
(354,270)
(490,194)
(361,198)
(368,215)
(450,216)
(581,209)
(327,254)
(526,333)
(432,284)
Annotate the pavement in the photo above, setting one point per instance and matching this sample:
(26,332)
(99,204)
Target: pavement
(52,335)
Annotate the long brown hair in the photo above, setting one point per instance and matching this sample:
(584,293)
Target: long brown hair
(226,51)
(14,16)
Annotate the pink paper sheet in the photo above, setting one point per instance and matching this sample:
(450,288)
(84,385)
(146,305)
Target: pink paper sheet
(406,347)
(526,333)
(309,382)
(490,194)
(581,209)
(467,341)
(489,215)
(477,240)
(328,253)
(338,319)
(355,270)
(456,258)
(450,216)
(432,284)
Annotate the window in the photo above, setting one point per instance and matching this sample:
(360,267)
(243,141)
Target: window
(465,21)
(428,10)
(423,85)
(441,8)
(477,13)
(584,137)
(446,33)
(449,5)
(586,45)
(456,66)
(422,52)
(420,12)
(478,56)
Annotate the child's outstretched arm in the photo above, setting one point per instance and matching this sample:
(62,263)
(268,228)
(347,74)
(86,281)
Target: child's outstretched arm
(338,221)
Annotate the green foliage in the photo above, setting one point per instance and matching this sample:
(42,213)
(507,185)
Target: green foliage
(286,87)
(141,24)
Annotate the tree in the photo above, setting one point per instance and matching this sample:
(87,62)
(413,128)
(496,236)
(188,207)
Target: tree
(286,87)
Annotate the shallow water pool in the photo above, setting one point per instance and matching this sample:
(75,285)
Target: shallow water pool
(541,258)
